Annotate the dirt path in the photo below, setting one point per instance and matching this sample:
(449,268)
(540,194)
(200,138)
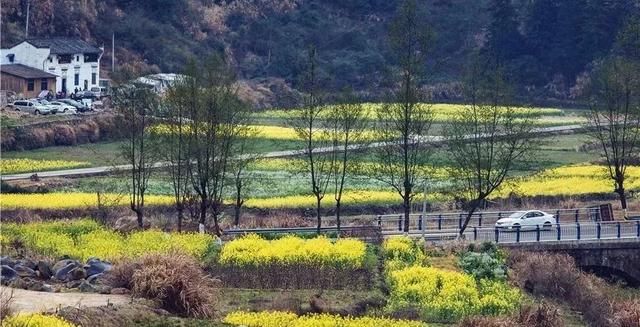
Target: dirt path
(31,301)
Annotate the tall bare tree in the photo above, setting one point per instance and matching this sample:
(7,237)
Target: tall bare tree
(180,97)
(137,105)
(487,139)
(403,123)
(614,118)
(347,127)
(308,127)
(242,175)
(214,121)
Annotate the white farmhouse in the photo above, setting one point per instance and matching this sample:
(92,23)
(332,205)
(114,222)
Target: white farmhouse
(76,63)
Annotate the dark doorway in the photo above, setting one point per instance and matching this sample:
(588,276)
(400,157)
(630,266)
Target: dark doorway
(64,85)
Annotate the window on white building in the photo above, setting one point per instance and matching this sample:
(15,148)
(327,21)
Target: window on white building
(77,58)
(76,79)
(93,78)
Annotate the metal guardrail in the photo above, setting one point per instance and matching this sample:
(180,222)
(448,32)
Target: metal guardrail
(576,232)
(446,221)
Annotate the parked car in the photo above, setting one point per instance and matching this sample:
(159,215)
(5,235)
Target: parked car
(52,109)
(62,107)
(530,219)
(80,107)
(29,106)
(96,91)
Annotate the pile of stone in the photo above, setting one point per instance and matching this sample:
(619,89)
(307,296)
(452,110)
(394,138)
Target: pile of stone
(53,277)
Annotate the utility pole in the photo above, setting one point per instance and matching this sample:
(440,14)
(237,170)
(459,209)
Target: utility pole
(113,52)
(26,28)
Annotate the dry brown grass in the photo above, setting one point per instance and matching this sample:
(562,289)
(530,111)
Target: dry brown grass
(542,315)
(557,276)
(177,283)
(627,313)
(6,298)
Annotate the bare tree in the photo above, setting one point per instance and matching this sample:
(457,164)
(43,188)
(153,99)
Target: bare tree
(137,105)
(242,176)
(308,127)
(614,118)
(180,97)
(347,127)
(213,128)
(486,140)
(403,123)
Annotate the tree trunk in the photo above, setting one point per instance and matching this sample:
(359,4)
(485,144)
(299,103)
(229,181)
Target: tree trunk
(215,213)
(236,219)
(203,213)
(467,219)
(180,217)
(407,211)
(318,199)
(623,199)
(140,215)
(338,214)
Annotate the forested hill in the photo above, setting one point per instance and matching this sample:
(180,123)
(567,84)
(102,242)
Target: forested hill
(547,43)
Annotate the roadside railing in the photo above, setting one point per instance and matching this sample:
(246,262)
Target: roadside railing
(448,221)
(585,231)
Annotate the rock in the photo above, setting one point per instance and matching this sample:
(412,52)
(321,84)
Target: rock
(77,273)
(87,287)
(24,271)
(95,266)
(27,263)
(120,291)
(44,269)
(7,273)
(130,223)
(93,279)
(7,261)
(31,284)
(62,274)
(62,264)
(73,284)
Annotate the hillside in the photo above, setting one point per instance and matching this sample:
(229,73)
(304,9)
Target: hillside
(547,43)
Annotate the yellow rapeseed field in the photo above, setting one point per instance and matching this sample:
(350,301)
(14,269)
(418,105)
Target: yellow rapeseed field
(73,200)
(569,180)
(35,320)
(15,166)
(441,112)
(84,239)
(279,318)
(252,250)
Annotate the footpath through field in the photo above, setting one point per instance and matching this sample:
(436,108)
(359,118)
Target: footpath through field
(275,154)
(32,301)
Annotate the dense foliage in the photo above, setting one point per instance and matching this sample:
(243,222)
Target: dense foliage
(440,295)
(277,319)
(252,250)
(546,43)
(84,239)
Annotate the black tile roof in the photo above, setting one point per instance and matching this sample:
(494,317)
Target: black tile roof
(24,71)
(64,45)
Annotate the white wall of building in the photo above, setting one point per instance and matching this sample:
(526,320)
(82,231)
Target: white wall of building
(28,55)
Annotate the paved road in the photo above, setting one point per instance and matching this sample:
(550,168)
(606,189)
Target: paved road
(274,154)
(583,232)
(32,301)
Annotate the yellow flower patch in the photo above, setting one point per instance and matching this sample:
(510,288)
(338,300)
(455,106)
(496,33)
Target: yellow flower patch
(252,250)
(16,166)
(278,319)
(35,320)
